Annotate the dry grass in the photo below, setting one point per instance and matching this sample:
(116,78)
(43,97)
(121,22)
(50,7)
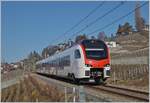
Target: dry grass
(31,90)
(139,84)
(11,74)
(135,76)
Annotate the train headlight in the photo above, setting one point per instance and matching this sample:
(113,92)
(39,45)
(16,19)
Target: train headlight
(88,65)
(107,65)
(106,71)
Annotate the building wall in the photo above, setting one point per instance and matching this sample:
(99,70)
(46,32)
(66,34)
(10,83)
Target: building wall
(111,44)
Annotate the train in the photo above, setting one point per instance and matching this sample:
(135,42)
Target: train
(86,61)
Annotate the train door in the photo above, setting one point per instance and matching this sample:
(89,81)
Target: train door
(76,62)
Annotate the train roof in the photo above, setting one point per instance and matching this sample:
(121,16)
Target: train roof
(84,42)
(48,58)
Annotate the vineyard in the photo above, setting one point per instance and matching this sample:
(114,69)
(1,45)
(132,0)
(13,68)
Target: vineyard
(137,53)
(132,76)
(31,90)
(129,72)
(131,67)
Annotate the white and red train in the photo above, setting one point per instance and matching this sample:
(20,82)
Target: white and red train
(88,60)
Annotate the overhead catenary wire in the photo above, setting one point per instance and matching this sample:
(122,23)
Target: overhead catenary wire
(83,19)
(99,18)
(118,19)
(90,13)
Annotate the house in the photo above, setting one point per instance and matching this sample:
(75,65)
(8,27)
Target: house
(111,44)
(146,27)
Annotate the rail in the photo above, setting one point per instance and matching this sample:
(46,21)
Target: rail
(136,94)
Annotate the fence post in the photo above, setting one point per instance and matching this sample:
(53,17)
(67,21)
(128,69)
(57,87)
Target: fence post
(144,69)
(122,74)
(132,73)
(81,94)
(128,73)
(114,78)
(36,99)
(65,94)
(74,96)
(136,72)
(147,69)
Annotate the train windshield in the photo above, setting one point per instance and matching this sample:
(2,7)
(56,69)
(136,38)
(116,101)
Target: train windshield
(95,49)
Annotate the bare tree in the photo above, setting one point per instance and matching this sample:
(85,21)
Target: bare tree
(101,36)
(93,37)
(140,22)
(79,38)
(48,51)
(125,29)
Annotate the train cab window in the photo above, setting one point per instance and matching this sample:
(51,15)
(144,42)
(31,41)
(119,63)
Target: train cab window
(77,54)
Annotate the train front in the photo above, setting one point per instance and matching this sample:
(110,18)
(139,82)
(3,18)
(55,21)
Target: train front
(97,59)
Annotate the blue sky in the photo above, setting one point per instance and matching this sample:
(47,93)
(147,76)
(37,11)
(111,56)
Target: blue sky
(33,25)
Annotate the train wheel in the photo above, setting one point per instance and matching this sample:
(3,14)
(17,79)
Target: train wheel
(73,77)
(98,80)
(104,83)
(75,80)
(69,75)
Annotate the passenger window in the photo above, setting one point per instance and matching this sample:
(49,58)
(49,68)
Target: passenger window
(77,54)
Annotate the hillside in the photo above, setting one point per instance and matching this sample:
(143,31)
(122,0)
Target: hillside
(133,41)
(129,61)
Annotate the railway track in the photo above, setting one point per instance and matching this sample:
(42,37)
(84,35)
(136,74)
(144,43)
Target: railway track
(139,95)
(129,93)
